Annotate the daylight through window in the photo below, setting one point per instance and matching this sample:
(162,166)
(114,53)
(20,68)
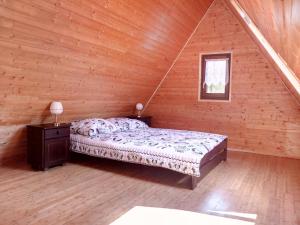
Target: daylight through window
(215,76)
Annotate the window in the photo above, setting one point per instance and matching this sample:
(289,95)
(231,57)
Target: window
(215,76)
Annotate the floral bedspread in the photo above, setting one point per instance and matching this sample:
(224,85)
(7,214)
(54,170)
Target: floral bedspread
(176,150)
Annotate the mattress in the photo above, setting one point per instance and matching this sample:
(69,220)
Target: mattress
(176,150)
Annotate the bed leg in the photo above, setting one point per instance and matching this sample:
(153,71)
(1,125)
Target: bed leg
(194,182)
(225,155)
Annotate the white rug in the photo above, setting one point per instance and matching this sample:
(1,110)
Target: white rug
(140,215)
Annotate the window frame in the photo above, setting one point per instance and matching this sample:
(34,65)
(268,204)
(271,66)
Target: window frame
(202,95)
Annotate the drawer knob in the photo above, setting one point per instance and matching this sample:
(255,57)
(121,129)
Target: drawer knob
(57,132)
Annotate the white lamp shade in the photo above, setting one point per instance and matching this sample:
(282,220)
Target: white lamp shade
(139,106)
(56,108)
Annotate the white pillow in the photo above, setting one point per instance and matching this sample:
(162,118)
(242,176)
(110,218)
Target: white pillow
(92,127)
(125,124)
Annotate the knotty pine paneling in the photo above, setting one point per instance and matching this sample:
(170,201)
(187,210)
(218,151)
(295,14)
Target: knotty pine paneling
(279,21)
(262,116)
(98,57)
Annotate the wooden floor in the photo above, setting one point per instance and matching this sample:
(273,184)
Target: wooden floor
(264,190)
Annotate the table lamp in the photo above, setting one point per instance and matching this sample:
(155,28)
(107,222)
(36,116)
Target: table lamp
(56,108)
(139,107)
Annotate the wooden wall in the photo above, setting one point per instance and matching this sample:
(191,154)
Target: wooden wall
(279,21)
(98,57)
(262,116)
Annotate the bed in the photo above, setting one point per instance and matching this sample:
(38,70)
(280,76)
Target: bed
(188,152)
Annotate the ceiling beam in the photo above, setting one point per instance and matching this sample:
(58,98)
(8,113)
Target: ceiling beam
(287,75)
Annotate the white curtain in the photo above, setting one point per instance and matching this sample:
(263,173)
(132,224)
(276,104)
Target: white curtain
(215,73)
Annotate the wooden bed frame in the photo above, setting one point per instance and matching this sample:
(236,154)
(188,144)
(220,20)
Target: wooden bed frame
(210,161)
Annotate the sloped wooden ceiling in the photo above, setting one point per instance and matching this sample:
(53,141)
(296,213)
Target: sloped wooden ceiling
(262,116)
(279,21)
(98,57)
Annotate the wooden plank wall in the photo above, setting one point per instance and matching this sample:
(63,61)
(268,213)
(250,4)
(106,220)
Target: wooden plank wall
(262,116)
(98,57)
(279,21)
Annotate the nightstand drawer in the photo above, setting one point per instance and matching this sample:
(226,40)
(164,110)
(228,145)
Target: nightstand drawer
(57,133)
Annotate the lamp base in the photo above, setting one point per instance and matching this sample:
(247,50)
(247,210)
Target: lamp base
(139,113)
(56,123)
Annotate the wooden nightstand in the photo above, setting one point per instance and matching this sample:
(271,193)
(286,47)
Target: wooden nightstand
(145,119)
(48,145)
